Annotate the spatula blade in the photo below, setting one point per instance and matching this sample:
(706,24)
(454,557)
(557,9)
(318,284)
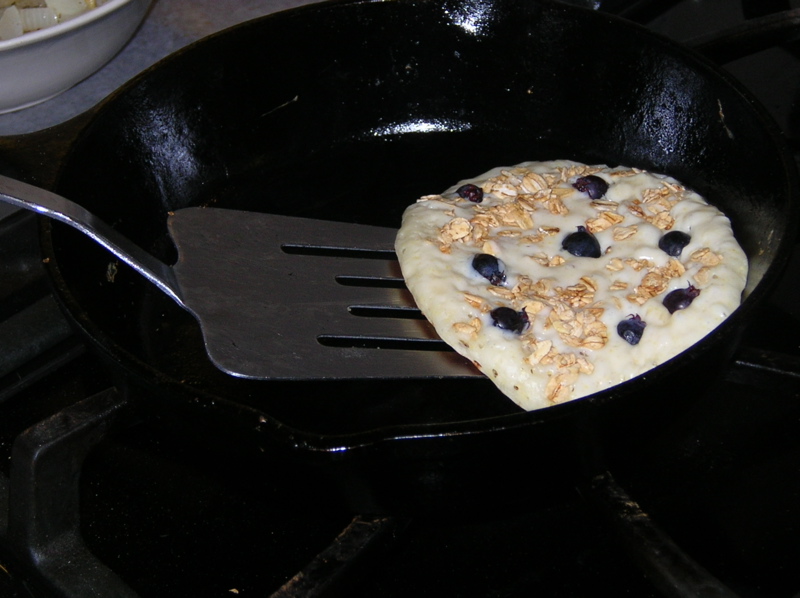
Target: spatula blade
(269,313)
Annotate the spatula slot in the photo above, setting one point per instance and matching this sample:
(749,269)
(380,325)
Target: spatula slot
(371,281)
(334,251)
(386,311)
(365,342)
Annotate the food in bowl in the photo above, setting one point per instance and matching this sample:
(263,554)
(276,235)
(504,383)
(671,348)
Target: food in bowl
(41,64)
(560,279)
(18,17)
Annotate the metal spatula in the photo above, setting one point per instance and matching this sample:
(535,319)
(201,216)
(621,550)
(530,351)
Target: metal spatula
(279,297)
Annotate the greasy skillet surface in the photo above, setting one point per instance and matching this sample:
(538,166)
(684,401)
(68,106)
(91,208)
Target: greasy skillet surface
(349,111)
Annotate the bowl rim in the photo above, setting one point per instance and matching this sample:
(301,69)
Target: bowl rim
(33,37)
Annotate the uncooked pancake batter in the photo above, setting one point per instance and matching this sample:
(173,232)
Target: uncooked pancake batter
(559,279)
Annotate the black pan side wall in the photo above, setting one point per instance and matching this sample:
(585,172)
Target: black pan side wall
(352,110)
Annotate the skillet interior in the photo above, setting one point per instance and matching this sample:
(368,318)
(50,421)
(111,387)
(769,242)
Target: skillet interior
(349,111)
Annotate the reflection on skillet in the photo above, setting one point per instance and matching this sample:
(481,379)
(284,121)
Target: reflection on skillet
(549,81)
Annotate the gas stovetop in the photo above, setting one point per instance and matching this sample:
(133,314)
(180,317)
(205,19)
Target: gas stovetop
(141,506)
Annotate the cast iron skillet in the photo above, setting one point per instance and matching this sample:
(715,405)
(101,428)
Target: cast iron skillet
(349,111)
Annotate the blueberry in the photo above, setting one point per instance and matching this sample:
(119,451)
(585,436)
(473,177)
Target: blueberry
(591,184)
(491,268)
(673,242)
(470,192)
(581,243)
(680,298)
(508,319)
(631,329)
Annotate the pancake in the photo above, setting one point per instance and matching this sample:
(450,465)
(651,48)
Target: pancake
(559,279)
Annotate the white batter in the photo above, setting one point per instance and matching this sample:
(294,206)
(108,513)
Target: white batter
(571,306)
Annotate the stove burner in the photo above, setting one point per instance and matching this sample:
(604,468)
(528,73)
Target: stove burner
(97,499)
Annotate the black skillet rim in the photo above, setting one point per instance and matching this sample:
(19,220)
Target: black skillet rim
(310,441)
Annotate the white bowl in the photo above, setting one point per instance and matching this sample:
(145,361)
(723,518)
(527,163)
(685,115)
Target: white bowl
(42,64)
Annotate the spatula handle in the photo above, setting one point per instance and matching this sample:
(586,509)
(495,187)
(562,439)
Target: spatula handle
(59,208)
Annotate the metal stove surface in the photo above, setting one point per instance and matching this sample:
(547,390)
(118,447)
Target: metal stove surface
(155,511)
